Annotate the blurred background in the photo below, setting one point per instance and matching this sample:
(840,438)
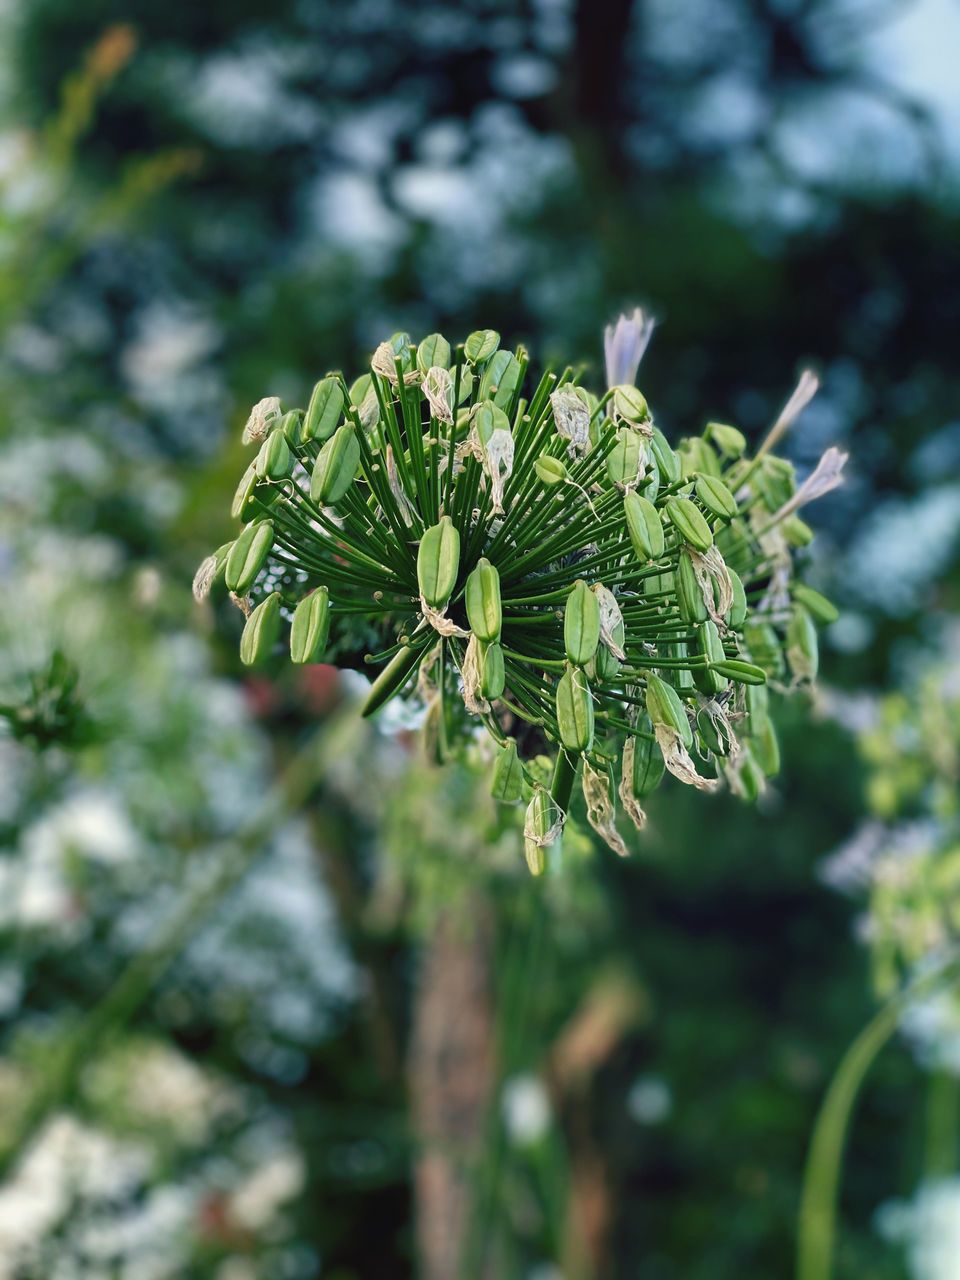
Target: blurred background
(278,1000)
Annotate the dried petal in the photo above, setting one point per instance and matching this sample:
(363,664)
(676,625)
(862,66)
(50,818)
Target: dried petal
(598,793)
(677,758)
(262,417)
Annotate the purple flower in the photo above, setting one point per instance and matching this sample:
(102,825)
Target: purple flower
(624,345)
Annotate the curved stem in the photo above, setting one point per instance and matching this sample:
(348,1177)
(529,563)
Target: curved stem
(818,1204)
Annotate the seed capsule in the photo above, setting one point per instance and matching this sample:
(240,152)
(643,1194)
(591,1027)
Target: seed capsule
(766,748)
(493,678)
(728,440)
(433,352)
(740,671)
(763,645)
(581,624)
(500,379)
(738,610)
(243,504)
(323,411)
(541,817)
(796,531)
(391,679)
(336,467)
(291,424)
(482,598)
(274,461)
(507,786)
(625,459)
(481,345)
(819,607)
(689,523)
(630,403)
(648,766)
(756,699)
(775,480)
(438,563)
(690,599)
(803,651)
(715,733)
(644,527)
(697,458)
(667,461)
(248,555)
(716,497)
(261,631)
(751,776)
(435,731)
(709,644)
(550,470)
(575,717)
(664,707)
(310,627)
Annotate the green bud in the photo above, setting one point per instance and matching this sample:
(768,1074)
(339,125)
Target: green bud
(728,440)
(323,411)
(261,631)
(274,461)
(716,497)
(391,679)
(550,470)
(433,352)
(507,786)
(482,598)
(664,707)
(709,644)
(581,624)
(689,522)
(624,460)
(493,677)
(336,467)
(248,556)
(819,607)
(575,719)
(481,345)
(310,627)
(690,599)
(630,403)
(644,527)
(438,562)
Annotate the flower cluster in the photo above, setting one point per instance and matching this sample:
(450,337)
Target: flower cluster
(538,562)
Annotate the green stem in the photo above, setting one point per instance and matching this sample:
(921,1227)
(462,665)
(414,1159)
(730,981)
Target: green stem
(821,1179)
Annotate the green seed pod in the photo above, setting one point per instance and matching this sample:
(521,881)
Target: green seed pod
(716,497)
(644,527)
(493,677)
(689,522)
(751,776)
(664,707)
(697,458)
(709,644)
(775,480)
(435,747)
(248,555)
(660,587)
(481,345)
(756,698)
(291,424)
(650,484)
(763,645)
(766,748)
(690,599)
(541,817)
(738,610)
(575,710)
(740,671)
(803,650)
(489,418)
(667,461)
(433,352)
(728,440)
(581,624)
(550,470)
(625,459)
(501,377)
(630,403)
(323,411)
(507,786)
(261,631)
(438,562)
(310,627)
(819,607)
(734,541)
(240,507)
(613,633)
(482,598)
(796,531)
(715,734)
(648,766)
(391,679)
(274,461)
(336,467)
